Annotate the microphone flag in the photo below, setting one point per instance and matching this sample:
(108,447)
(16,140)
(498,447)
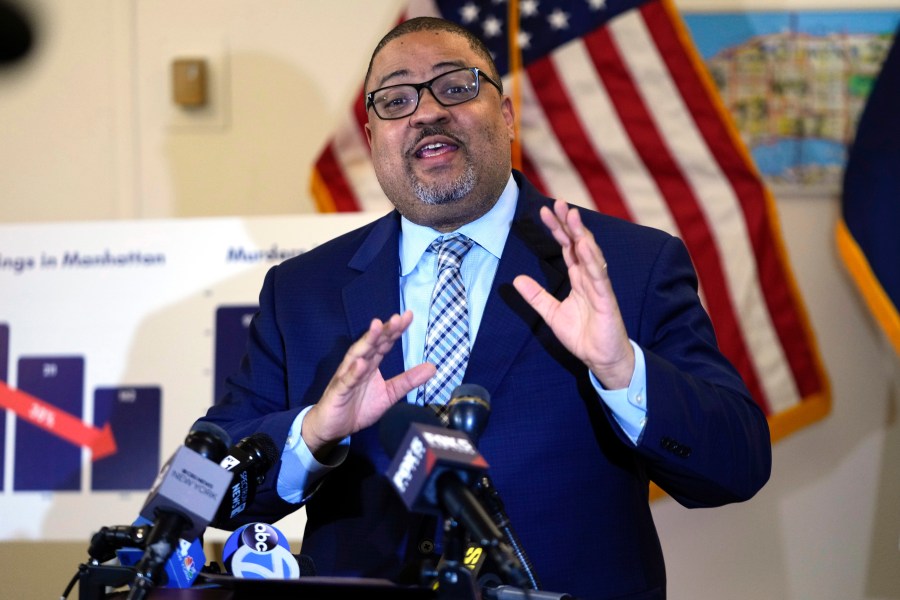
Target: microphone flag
(427,451)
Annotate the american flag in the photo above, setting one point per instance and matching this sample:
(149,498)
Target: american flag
(616,112)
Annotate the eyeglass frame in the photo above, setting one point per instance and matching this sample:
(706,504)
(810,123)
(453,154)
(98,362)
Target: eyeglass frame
(426,85)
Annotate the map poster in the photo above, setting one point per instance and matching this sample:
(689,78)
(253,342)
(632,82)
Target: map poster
(795,83)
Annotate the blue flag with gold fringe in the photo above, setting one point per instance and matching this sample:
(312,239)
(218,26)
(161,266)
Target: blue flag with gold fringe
(867,233)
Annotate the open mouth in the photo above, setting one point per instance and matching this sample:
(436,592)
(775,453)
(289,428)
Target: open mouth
(435,149)
(435,142)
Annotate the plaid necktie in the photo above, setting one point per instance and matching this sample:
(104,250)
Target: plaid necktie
(447,335)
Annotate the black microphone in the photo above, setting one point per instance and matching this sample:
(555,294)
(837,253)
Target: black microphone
(17,34)
(106,541)
(248,461)
(183,500)
(469,408)
(431,468)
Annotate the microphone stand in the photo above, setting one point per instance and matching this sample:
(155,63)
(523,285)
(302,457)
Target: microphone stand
(160,545)
(454,579)
(469,409)
(485,490)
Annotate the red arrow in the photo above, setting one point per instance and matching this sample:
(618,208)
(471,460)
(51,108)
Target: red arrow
(100,442)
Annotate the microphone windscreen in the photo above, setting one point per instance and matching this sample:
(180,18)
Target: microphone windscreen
(259,551)
(208,440)
(396,421)
(471,390)
(266,447)
(468,411)
(17,33)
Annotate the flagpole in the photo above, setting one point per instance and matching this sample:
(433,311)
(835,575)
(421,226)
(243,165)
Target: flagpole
(515,64)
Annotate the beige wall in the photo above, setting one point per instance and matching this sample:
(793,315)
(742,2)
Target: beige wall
(88,133)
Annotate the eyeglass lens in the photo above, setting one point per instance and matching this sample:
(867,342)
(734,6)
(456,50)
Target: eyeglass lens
(454,87)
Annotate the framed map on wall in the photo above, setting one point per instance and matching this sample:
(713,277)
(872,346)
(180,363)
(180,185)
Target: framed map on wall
(795,83)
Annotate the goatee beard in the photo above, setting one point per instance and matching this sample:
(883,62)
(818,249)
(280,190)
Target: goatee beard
(444,192)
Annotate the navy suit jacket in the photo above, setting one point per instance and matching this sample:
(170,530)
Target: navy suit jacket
(575,487)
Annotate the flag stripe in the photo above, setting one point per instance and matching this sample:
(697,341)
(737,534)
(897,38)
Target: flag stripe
(553,97)
(542,155)
(579,67)
(329,170)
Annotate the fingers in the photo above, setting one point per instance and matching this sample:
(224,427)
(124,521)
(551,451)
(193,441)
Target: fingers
(590,255)
(380,337)
(569,230)
(400,385)
(536,296)
(564,223)
(555,224)
(365,355)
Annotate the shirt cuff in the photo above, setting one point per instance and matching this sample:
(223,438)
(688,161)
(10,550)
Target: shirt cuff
(629,405)
(300,471)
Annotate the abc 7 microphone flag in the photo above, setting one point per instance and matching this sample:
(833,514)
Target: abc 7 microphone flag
(259,551)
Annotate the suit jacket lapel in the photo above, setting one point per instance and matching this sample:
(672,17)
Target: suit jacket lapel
(376,293)
(508,321)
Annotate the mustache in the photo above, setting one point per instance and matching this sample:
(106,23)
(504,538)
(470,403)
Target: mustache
(432,131)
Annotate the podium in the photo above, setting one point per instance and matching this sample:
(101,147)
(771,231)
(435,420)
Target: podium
(211,586)
(313,588)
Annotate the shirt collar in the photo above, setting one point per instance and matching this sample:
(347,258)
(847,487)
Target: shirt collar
(489,231)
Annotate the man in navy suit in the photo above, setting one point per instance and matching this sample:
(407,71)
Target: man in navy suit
(587,331)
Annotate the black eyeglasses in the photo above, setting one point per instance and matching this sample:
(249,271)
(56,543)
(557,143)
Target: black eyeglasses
(449,89)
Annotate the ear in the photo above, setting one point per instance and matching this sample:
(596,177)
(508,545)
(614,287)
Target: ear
(368,129)
(509,115)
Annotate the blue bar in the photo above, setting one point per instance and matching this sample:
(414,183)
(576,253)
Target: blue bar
(43,461)
(134,413)
(4,377)
(232,329)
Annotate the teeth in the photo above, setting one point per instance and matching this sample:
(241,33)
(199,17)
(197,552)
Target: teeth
(432,146)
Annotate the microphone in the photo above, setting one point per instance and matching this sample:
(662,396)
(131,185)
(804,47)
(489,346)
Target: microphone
(248,461)
(183,500)
(431,468)
(423,450)
(469,408)
(180,570)
(259,551)
(17,36)
(106,541)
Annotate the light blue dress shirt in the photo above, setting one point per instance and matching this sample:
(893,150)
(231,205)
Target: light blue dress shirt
(300,471)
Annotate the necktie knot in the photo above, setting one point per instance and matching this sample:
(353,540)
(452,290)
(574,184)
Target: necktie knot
(450,250)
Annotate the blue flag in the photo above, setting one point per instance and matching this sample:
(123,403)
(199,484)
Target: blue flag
(867,234)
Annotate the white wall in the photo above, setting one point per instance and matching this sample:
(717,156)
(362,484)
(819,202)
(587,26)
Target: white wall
(88,132)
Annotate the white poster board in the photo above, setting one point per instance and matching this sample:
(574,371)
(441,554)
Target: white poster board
(120,323)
